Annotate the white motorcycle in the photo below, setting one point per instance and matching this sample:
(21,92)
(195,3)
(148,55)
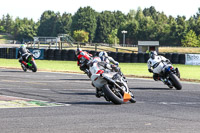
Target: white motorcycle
(112,84)
(169,75)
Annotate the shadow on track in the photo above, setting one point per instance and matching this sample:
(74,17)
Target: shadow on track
(73,93)
(77,79)
(88,103)
(151,89)
(14,71)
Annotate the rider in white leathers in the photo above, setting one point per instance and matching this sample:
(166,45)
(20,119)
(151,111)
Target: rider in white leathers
(154,65)
(99,66)
(109,60)
(104,57)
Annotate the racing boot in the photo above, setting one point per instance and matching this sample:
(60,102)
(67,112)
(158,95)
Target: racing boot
(99,93)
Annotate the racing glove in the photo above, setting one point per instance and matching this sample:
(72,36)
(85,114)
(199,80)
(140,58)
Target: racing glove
(150,70)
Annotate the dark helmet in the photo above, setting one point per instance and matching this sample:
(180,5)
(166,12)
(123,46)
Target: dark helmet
(152,54)
(78,51)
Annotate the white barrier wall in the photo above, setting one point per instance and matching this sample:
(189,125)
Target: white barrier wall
(192,59)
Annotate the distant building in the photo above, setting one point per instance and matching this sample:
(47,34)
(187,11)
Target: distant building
(147,46)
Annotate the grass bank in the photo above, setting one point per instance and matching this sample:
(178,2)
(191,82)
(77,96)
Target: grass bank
(188,72)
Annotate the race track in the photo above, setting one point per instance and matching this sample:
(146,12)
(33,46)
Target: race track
(45,102)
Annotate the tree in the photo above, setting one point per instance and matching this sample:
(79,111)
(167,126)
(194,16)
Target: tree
(50,24)
(190,39)
(66,21)
(104,26)
(131,15)
(112,38)
(24,29)
(8,24)
(106,23)
(85,19)
(132,28)
(81,36)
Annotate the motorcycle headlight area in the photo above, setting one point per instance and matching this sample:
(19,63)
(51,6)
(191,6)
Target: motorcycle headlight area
(168,69)
(82,60)
(116,77)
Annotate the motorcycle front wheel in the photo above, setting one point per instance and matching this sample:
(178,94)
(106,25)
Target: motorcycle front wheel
(34,67)
(175,81)
(116,97)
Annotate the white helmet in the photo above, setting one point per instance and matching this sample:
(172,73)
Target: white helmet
(152,54)
(103,53)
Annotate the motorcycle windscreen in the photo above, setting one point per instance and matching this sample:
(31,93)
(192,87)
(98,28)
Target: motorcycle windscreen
(127,97)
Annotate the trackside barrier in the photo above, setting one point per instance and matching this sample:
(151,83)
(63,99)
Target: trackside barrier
(141,58)
(181,59)
(175,58)
(113,55)
(64,54)
(120,57)
(134,58)
(9,53)
(54,54)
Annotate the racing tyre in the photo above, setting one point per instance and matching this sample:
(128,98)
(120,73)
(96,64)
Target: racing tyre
(34,67)
(115,97)
(24,67)
(132,100)
(175,81)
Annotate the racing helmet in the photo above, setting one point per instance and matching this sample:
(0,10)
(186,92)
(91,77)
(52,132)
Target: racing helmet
(78,51)
(103,53)
(152,54)
(23,46)
(84,58)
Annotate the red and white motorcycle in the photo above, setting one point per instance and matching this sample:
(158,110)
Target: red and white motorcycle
(111,84)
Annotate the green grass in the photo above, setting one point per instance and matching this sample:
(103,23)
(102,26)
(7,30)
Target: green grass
(44,65)
(136,69)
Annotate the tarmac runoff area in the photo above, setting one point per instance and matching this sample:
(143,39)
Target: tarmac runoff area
(17,102)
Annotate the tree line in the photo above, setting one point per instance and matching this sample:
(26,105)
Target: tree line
(87,25)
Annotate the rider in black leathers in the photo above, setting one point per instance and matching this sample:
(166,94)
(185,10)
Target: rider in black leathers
(23,53)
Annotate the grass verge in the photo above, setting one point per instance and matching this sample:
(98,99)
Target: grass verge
(188,72)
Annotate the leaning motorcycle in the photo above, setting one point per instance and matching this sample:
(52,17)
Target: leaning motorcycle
(31,65)
(112,85)
(169,75)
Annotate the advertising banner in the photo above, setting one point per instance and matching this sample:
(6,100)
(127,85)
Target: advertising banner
(192,59)
(37,53)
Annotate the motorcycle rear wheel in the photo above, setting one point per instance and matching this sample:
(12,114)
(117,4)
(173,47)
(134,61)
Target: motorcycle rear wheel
(175,81)
(112,96)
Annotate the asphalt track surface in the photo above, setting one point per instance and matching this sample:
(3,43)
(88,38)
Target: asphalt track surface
(158,108)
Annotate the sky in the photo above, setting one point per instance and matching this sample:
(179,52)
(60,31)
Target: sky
(34,8)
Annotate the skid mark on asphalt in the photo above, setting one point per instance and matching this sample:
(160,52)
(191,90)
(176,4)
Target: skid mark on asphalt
(17,102)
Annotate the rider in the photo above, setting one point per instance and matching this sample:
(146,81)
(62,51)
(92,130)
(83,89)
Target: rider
(99,66)
(105,58)
(23,53)
(83,58)
(153,63)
